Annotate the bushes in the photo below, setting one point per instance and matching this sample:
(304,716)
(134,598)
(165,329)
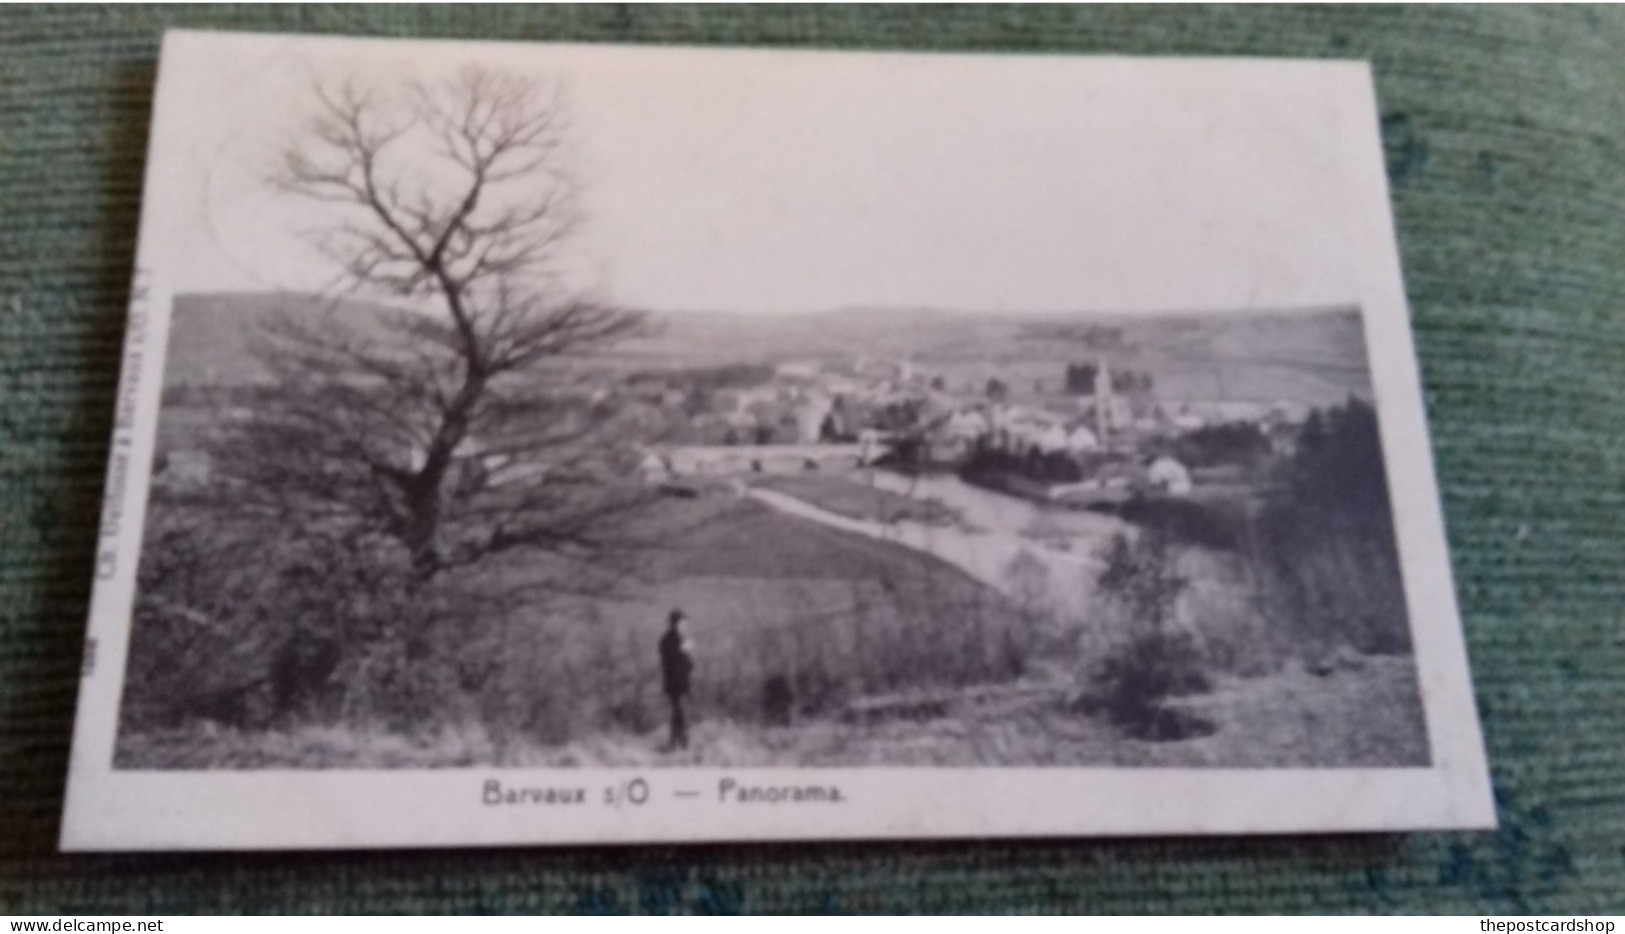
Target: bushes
(1313,569)
(1326,544)
(1154,663)
(1228,443)
(254,624)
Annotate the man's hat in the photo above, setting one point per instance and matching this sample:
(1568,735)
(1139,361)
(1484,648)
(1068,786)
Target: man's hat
(677,615)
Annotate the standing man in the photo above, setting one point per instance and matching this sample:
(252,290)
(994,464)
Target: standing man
(676,664)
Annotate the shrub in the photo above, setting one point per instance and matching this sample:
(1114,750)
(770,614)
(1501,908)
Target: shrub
(1135,680)
(1205,525)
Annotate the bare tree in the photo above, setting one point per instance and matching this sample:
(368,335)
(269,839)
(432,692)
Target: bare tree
(460,427)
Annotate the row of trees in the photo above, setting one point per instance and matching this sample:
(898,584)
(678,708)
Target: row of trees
(349,556)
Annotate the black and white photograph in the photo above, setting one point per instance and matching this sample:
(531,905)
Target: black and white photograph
(520,411)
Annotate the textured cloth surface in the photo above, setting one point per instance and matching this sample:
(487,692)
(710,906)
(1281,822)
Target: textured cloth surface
(1505,131)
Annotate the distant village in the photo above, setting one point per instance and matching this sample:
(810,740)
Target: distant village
(1088,434)
(1091,431)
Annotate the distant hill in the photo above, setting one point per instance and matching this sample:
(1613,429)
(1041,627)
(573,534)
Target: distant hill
(211,335)
(1315,356)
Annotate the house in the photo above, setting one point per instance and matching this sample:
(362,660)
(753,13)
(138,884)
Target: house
(1081,439)
(1169,476)
(1020,430)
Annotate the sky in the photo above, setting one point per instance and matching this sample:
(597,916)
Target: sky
(773,182)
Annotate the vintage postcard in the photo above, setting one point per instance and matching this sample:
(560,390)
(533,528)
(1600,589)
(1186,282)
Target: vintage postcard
(525,443)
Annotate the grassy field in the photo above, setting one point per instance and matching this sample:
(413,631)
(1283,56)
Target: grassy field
(1364,716)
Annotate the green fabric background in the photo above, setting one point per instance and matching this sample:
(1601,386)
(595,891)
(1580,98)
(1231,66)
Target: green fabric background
(1505,130)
